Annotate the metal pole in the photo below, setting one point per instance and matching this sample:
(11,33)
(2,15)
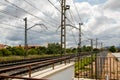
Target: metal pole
(96,43)
(79,44)
(79,48)
(91,45)
(101,46)
(63,26)
(26,46)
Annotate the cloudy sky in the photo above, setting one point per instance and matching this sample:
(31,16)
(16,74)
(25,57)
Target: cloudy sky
(101,20)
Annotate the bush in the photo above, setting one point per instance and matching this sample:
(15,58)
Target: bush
(32,51)
(6,52)
(16,51)
(112,49)
(1,54)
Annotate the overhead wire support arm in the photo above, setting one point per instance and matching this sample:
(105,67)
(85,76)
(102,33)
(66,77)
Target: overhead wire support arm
(26,29)
(36,25)
(79,43)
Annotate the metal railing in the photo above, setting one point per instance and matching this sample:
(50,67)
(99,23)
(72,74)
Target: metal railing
(97,67)
(29,66)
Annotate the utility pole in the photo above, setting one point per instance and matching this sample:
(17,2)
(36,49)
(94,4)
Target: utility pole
(101,45)
(64,7)
(79,44)
(91,45)
(26,29)
(26,45)
(96,43)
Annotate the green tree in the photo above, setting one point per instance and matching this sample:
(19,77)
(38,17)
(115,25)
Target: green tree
(6,52)
(74,50)
(53,48)
(41,50)
(112,49)
(86,48)
(16,51)
(32,51)
(68,50)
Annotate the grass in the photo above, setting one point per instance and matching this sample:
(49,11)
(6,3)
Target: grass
(84,62)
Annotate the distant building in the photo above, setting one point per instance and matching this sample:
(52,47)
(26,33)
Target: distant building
(2,46)
(29,46)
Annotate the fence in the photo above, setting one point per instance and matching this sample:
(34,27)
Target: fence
(97,67)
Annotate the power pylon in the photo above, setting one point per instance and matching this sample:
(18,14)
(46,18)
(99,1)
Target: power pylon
(64,7)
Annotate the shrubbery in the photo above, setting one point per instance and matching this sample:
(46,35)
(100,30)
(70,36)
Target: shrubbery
(53,48)
(112,49)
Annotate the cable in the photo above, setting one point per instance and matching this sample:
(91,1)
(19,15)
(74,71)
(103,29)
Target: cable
(7,13)
(72,17)
(77,11)
(59,10)
(74,38)
(12,25)
(38,9)
(26,11)
(15,16)
(54,6)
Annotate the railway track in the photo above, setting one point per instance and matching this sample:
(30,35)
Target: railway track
(24,66)
(25,61)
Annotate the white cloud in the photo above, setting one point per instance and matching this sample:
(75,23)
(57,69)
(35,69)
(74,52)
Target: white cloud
(100,21)
(112,4)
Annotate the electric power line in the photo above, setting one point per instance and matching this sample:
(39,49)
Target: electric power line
(39,10)
(27,12)
(54,6)
(77,11)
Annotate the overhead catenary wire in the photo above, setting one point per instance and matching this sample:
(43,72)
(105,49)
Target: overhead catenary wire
(19,27)
(79,17)
(18,18)
(28,2)
(28,12)
(74,38)
(7,13)
(72,17)
(54,6)
(76,8)
(60,11)
(15,17)
(71,20)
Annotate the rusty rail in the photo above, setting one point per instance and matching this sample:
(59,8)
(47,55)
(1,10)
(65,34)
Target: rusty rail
(32,64)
